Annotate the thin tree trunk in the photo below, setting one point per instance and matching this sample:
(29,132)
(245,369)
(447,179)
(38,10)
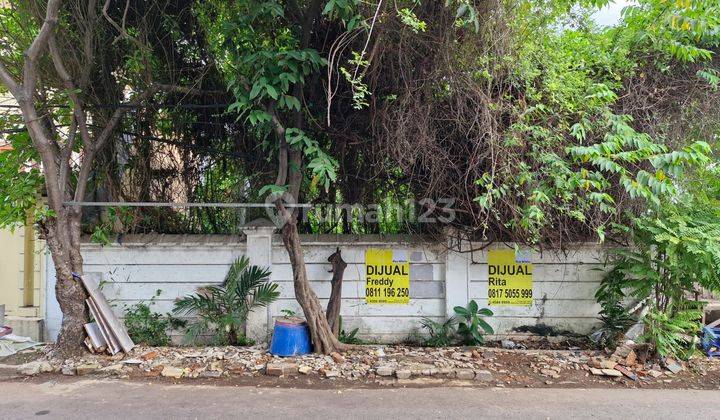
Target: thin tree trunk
(323,339)
(333,308)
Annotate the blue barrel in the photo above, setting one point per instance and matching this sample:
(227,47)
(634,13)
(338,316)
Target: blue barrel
(711,341)
(291,337)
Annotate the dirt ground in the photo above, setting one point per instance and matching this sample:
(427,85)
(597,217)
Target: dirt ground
(508,368)
(22,357)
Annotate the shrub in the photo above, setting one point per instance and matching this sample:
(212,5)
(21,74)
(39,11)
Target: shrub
(471,326)
(615,317)
(221,311)
(466,327)
(348,337)
(147,327)
(440,334)
(673,333)
(674,250)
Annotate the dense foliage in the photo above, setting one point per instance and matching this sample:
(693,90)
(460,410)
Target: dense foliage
(20,179)
(674,254)
(540,126)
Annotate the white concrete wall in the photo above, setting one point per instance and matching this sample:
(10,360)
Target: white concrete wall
(175,265)
(133,270)
(564,283)
(376,321)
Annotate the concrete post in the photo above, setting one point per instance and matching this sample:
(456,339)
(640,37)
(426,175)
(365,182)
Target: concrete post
(259,251)
(457,283)
(53,314)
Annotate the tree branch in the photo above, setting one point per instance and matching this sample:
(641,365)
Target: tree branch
(88,48)
(332,313)
(41,139)
(36,47)
(282,172)
(119,28)
(102,138)
(65,157)
(7,79)
(78,110)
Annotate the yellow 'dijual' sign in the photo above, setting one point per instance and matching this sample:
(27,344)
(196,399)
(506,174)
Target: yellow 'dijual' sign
(510,281)
(387,276)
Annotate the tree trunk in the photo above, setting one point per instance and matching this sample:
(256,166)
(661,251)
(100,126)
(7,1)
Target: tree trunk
(333,308)
(322,337)
(62,235)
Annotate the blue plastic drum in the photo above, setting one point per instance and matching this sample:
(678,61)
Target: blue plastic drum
(290,338)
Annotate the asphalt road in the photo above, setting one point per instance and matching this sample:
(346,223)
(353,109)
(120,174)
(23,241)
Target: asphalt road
(102,399)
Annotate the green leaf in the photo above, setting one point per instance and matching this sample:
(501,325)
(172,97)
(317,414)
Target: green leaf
(271,189)
(272,92)
(292,102)
(256,117)
(255,91)
(460,311)
(473,307)
(485,312)
(485,326)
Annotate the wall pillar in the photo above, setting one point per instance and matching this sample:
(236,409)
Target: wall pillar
(259,251)
(457,283)
(29,260)
(53,314)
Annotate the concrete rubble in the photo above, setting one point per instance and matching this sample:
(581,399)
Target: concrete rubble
(381,364)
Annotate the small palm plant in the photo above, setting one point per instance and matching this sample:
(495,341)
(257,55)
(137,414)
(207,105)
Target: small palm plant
(440,334)
(222,310)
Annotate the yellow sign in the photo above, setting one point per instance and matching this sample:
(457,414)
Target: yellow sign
(387,279)
(509,278)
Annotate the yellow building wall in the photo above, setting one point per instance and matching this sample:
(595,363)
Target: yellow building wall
(12,258)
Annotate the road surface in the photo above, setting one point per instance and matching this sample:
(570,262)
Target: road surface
(105,399)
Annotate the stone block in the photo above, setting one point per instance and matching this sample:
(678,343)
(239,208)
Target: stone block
(281,369)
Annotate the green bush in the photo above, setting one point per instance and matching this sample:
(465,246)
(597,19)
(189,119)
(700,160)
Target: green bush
(673,251)
(147,327)
(615,317)
(221,311)
(467,327)
(348,337)
(440,334)
(471,327)
(673,333)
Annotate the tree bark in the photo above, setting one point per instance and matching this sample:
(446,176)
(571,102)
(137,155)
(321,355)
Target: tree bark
(62,230)
(333,308)
(290,173)
(323,339)
(62,234)
(289,170)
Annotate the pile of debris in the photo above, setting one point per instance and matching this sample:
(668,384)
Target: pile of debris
(632,361)
(106,333)
(392,365)
(11,343)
